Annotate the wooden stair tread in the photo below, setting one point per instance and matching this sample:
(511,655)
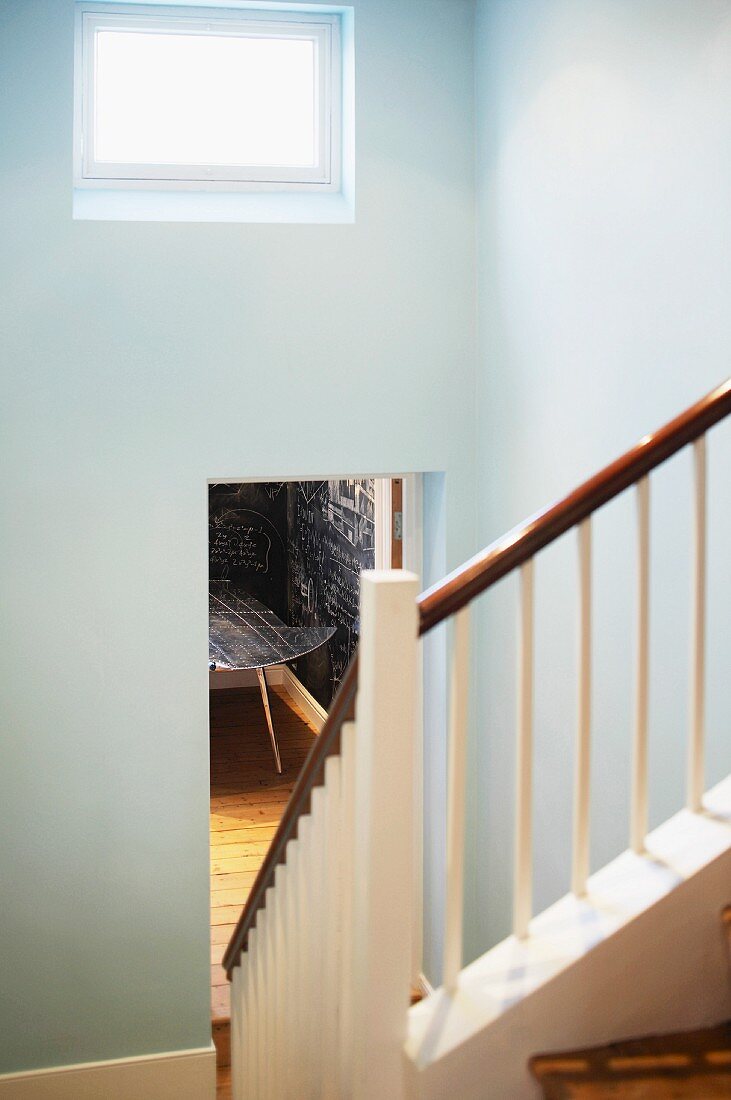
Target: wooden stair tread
(693,1065)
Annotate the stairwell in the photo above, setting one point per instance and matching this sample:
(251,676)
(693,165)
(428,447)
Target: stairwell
(321,961)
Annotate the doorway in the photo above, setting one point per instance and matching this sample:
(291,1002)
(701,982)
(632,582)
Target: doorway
(285,559)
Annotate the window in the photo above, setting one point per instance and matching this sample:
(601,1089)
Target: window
(207,99)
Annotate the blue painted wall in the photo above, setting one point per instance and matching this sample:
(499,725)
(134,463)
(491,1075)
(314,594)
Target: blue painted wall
(604,276)
(133,355)
(138,361)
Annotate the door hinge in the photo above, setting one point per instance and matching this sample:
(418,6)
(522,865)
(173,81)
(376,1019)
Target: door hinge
(398,526)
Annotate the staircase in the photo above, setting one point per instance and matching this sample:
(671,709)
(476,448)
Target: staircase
(688,1065)
(324,956)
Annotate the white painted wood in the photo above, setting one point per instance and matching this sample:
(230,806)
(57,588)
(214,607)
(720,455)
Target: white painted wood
(315,918)
(182,1074)
(331,932)
(382,516)
(303,988)
(252,1065)
(523,884)
(323,30)
(291,973)
(267,988)
(238,992)
(413,555)
(303,699)
(696,748)
(261,1030)
(582,779)
(578,992)
(249,1025)
(638,798)
(304,981)
(384,860)
(347,893)
(456,781)
(413,508)
(278,964)
(324,994)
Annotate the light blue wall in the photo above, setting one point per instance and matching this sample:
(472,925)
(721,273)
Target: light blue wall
(604,278)
(138,361)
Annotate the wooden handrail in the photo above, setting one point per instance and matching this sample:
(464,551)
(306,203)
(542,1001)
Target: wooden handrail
(519,545)
(460,588)
(311,776)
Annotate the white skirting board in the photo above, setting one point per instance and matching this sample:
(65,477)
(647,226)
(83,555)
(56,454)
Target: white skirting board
(277,675)
(307,703)
(180,1075)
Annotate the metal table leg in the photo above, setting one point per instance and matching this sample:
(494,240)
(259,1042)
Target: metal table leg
(265,700)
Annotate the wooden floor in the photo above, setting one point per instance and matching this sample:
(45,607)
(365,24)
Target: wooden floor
(691,1065)
(247,802)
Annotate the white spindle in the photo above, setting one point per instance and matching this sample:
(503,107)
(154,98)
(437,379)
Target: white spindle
(580,863)
(638,804)
(696,750)
(278,950)
(267,977)
(304,969)
(254,1015)
(523,886)
(347,887)
(384,819)
(331,930)
(247,1073)
(238,987)
(315,917)
(292,987)
(456,792)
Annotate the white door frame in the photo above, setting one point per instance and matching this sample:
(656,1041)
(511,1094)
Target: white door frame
(383,522)
(412,522)
(413,560)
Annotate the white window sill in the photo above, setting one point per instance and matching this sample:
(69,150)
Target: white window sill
(212,206)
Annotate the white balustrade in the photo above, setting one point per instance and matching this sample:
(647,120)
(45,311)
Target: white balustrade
(639,793)
(332,928)
(456,792)
(696,748)
(344,1068)
(523,883)
(319,997)
(582,778)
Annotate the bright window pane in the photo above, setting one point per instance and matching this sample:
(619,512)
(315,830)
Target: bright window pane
(204,99)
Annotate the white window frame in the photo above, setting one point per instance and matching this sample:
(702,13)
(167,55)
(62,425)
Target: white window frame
(320,28)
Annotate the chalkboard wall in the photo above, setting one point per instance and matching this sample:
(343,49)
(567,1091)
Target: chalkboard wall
(247,541)
(299,547)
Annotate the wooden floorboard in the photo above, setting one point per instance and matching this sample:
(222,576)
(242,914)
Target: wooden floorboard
(692,1065)
(248,799)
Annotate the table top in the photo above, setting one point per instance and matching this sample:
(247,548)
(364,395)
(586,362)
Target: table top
(243,633)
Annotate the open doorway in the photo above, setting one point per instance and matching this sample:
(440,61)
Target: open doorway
(285,560)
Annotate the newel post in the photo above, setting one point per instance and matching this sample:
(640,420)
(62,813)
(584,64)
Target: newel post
(384,831)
